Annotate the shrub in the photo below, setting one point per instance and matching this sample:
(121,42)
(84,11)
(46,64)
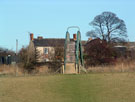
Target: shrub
(99,52)
(28,58)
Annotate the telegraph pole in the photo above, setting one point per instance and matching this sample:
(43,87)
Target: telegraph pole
(16,56)
(16,46)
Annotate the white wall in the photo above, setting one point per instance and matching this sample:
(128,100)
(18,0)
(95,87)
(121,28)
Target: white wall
(45,57)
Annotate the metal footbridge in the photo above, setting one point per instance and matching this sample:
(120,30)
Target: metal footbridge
(73,53)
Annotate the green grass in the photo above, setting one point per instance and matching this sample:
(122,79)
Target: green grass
(106,87)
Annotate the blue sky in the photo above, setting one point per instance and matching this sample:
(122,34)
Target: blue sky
(50,18)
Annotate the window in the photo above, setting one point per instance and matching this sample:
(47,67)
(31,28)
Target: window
(45,50)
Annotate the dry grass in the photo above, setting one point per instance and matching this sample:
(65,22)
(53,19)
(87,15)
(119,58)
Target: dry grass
(124,66)
(6,69)
(43,70)
(10,70)
(121,66)
(15,70)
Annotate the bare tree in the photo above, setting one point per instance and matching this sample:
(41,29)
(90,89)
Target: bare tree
(28,58)
(107,26)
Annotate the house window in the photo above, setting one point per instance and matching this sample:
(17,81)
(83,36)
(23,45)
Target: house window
(45,50)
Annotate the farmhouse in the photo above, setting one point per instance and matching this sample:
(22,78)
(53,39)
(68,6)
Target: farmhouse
(46,46)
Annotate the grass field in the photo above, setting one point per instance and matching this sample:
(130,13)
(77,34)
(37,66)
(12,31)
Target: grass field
(105,87)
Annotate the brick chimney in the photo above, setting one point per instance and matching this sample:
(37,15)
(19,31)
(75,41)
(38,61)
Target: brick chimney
(74,37)
(89,39)
(31,36)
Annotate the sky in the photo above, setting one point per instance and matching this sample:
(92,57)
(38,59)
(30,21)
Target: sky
(50,18)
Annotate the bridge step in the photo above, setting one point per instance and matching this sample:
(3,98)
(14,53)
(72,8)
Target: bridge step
(70,68)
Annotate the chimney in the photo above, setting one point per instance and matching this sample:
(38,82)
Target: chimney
(74,37)
(40,37)
(31,36)
(89,39)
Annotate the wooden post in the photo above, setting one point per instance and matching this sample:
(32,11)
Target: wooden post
(63,69)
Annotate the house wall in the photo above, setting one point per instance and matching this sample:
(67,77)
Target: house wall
(47,57)
(44,57)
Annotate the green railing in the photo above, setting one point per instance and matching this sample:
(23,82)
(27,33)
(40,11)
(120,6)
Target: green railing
(78,48)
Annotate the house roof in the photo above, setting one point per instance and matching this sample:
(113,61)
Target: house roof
(93,41)
(51,42)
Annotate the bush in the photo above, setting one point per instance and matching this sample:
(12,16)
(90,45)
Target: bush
(99,52)
(28,58)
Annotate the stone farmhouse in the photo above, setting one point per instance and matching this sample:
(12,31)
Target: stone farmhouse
(45,46)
